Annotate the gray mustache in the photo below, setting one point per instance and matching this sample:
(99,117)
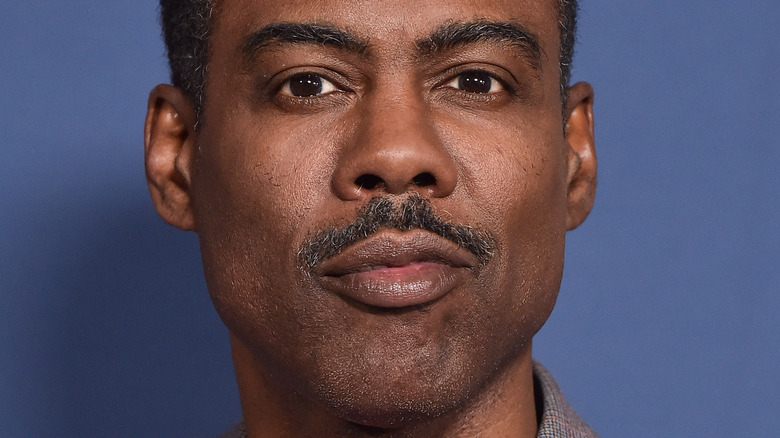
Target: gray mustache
(415,212)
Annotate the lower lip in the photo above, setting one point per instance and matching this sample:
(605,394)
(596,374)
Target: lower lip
(394,287)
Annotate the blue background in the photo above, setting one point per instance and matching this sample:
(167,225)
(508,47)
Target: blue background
(667,322)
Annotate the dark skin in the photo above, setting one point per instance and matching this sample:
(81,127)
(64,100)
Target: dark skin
(292,130)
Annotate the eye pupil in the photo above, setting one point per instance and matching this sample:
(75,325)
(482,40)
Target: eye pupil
(475,82)
(306,85)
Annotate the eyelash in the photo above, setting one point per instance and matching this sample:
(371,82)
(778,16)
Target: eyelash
(280,92)
(284,94)
(496,85)
(325,85)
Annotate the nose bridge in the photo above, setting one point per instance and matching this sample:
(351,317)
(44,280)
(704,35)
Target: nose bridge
(398,133)
(395,148)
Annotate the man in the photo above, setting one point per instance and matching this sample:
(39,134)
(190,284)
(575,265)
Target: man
(381,190)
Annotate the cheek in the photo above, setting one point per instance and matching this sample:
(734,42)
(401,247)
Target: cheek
(252,190)
(271,174)
(517,179)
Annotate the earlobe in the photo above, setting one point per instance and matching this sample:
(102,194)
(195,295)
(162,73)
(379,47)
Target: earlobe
(170,139)
(581,154)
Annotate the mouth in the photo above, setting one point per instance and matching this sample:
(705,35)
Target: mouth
(393,269)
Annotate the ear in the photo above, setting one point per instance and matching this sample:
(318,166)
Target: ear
(170,141)
(581,154)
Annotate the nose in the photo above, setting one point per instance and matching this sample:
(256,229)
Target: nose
(394,149)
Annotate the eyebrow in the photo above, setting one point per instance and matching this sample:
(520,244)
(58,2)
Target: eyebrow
(302,33)
(452,35)
(446,37)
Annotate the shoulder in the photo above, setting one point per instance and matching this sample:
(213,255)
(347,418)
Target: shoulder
(557,419)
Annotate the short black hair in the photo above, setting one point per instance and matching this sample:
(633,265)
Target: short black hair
(186,28)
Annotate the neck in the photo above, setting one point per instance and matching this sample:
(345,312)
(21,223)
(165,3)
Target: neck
(503,408)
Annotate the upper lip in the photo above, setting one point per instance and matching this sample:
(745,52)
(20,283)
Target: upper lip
(390,248)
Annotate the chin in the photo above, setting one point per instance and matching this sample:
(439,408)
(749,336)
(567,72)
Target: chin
(405,388)
(391,406)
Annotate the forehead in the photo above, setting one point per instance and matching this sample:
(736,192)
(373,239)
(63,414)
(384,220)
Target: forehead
(382,22)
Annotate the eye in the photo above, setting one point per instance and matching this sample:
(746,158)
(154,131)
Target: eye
(307,85)
(477,82)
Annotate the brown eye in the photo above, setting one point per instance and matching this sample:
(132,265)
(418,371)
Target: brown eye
(307,85)
(477,82)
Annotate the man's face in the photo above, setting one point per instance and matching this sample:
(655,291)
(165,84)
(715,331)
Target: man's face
(320,112)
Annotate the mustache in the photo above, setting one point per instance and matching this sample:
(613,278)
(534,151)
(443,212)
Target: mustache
(415,212)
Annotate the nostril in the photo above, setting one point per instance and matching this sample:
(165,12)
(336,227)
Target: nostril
(424,179)
(368,181)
